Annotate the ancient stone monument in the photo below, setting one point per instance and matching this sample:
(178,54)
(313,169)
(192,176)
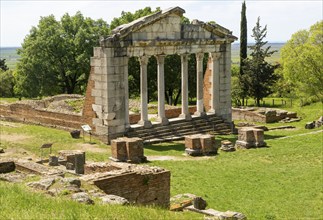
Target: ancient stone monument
(159,35)
(249,137)
(200,144)
(127,150)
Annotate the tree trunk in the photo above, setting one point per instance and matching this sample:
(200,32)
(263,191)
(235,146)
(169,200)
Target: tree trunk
(177,97)
(258,102)
(170,97)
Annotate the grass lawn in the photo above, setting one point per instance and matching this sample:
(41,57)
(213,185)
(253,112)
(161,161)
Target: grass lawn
(282,181)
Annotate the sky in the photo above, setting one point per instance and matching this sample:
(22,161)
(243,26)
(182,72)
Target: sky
(283,18)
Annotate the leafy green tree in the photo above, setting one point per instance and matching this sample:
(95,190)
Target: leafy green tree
(7,82)
(55,56)
(3,65)
(127,17)
(258,73)
(243,52)
(302,61)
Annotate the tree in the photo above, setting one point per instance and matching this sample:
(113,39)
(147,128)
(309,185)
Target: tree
(7,82)
(55,56)
(243,52)
(258,73)
(3,65)
(302,61)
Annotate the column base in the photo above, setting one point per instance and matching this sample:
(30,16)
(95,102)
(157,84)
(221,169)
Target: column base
(163,121)
(185,116)
(212,111)
(200,114)
(146,124)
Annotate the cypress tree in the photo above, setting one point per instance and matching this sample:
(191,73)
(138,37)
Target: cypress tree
(243,50)
(258,73)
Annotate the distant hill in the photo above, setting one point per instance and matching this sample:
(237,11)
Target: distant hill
(235,48)
(11,56)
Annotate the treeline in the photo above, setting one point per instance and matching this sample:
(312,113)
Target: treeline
(55,58)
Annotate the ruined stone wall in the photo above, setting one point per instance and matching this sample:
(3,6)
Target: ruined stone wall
(26,113)
(224,81)
(88,114)
(245,115)
(147,189)
(108,92)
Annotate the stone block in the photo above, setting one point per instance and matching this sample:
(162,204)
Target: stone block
(192,142)
(250,137)
(135,150)
(208,144)
(119,149)
(7,166)
(69,155)
(97,108)
(259,136)
(79,163)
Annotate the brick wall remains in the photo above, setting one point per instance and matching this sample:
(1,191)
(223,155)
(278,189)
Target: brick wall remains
(207,87)
(138,184)
(25,113)
(88,113)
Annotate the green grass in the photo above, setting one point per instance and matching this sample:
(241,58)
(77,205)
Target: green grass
(18,203)
(281,181)
(275,182)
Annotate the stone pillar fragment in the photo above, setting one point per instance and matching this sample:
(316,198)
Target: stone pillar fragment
(199,85)
(144,93)
(119,149)
(185,112)
(79,163)
(215,83)
(161,90)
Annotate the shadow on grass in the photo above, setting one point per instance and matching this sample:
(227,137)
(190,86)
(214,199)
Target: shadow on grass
(163,147)
(269,137)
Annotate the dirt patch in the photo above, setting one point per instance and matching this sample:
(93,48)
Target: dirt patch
(177,158)
(16,138)
(91,148)
(18,153)
(10,124)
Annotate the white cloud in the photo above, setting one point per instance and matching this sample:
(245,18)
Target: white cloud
(282,17)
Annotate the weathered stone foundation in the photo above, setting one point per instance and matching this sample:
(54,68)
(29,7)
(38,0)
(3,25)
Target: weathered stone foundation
(136,183)
(250,137)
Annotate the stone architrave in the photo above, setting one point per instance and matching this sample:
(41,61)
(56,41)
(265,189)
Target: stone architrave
(144,92)
(199,85)
(185,112)
(161,90)
(215,83)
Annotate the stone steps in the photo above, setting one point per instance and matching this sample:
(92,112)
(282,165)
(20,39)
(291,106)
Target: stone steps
(178,128)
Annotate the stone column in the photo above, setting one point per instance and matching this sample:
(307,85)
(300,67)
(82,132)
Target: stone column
(161,90)
(215,83)
(144,92)
(199,85)
(185,112)
(126,92)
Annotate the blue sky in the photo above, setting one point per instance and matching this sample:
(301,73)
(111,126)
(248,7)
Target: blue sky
(283,18)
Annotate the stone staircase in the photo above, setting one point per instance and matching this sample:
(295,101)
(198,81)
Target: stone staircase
(178,128)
